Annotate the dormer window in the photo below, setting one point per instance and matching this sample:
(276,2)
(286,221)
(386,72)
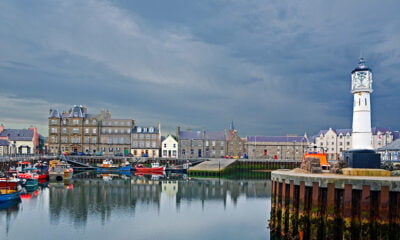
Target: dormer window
(139,129)
(151,129)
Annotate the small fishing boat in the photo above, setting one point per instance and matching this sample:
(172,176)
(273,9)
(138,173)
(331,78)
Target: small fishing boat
(10,182)
(9,189)
(60,171)
(9,194)
(108,165)
(155,167)
(42,170)
(30,178)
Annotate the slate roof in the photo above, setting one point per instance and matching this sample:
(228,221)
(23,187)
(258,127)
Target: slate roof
(214,136)
(17,134)
(291,139)
(187,135)
(375,130)
(393,146)
(144,129)
(3,142)
(344,131)
(54,113)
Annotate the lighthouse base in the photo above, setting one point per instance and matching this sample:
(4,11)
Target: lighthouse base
(363,158)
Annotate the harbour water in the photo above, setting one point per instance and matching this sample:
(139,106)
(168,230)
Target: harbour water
(112,206)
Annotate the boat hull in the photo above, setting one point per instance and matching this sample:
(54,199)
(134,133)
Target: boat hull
(6,195)
(113,169)
(149,170)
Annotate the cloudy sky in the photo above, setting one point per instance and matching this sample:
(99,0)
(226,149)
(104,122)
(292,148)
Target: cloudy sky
(273,67)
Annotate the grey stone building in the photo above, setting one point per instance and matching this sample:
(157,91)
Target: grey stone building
(199,144)
(276,147)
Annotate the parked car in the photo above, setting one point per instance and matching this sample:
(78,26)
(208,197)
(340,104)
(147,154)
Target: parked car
(99,154)
(119,154)
(80,154)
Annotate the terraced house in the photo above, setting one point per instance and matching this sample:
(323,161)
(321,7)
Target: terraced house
(77,131)
(199,144)
(146,141)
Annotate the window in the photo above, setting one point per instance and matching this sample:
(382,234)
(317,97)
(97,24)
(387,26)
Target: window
(151,129)
(147,136)
(147,144)
(64,139)
(164,153)
(222,143)
(174,153)
(53,130)
(65,122)
(87,130)
(207,143)
(87,121)
(174,145)
(213,143)
(200,143)
(153,144)
(53,121)
(75,121)
(103,130)
(135,144)
(111,149)
(165,145)
(109,130)
(128,130)
(348,143)
(94,140)
(116,130)
(154,136)
(87,139)
(183,142)
(64,130)
(94,122)
(75,130)
(94,130)
(183,152)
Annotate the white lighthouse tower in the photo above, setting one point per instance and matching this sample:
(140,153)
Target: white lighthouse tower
(361,88)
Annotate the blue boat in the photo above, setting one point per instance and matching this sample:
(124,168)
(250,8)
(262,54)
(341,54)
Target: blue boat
(8,195)
(108,166)
(114,169)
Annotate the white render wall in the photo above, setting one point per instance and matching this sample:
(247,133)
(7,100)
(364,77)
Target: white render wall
(169,148)
(362,136)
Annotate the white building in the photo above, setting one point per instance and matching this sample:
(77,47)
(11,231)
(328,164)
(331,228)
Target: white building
(335,141)
(169,147)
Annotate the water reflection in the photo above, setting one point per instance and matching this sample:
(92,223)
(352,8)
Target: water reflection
(92,205)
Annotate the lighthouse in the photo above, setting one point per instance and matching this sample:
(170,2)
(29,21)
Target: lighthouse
(362,154)
(361,88)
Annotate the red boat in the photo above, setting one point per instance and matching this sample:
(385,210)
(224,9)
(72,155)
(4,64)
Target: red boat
(155,167)
(9,182)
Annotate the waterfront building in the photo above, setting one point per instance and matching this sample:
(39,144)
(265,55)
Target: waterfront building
(289,147)
(169,147)
(235,146)
(198,144)
(20,141)
(77,131)
(3,147)
(336,141)
(146,141)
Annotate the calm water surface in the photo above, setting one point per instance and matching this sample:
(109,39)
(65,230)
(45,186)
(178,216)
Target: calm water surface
(95,206)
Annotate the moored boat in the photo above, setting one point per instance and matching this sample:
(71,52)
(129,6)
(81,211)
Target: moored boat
(155,167)
(9,189)
(30,177)
(60,171)
(108,165)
